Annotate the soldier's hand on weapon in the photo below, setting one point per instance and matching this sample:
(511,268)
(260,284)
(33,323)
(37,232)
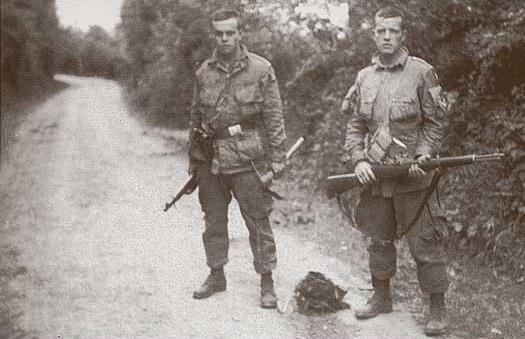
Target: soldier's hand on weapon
(192,168)
(415,171)
(363,171)
(277,169)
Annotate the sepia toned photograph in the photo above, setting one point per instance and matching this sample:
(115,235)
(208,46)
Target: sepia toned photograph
(293,169)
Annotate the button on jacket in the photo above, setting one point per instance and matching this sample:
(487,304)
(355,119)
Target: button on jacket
(244,94)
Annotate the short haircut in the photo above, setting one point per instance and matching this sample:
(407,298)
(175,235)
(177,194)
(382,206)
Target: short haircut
(391,12)
(225,14)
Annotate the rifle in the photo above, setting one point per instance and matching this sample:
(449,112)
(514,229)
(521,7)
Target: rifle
(188,188)
(337,184)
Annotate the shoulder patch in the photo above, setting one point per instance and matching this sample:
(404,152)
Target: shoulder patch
(439,98)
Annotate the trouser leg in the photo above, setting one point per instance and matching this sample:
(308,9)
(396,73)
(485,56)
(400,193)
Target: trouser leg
(428,250)
(375,215)
(382,259)
(214,197)
(256,204)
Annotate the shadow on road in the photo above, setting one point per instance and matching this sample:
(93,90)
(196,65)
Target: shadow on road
(15,108)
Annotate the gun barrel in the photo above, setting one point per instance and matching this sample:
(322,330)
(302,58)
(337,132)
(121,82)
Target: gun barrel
(342,182)
(342,176)
(488,157)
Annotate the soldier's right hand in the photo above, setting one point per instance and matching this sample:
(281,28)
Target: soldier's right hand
(363,171)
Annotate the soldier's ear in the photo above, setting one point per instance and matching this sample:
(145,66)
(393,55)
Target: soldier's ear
(404,35)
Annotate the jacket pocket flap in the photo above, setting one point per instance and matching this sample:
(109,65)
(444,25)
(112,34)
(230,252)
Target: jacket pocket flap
(403,108)
(208,97)
(248,94)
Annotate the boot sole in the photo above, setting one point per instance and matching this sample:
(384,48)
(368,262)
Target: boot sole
(435,333)
(269,306)
(209,293)
(366,316)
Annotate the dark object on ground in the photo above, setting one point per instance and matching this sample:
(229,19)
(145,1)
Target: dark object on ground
(316,294)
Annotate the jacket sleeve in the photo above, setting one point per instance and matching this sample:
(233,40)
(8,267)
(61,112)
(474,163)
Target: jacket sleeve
(356,128)
(434,115)
(272,114)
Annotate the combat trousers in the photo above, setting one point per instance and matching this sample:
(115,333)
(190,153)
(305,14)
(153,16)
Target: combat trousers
(386,221)
(215,194)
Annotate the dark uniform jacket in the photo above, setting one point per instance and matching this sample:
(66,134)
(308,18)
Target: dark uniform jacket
(242,108)
(404,102)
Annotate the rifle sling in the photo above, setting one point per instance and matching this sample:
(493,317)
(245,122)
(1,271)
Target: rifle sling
(424,203)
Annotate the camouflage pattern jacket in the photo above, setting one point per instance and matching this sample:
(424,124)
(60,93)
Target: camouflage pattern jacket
(241,108)
(403,101)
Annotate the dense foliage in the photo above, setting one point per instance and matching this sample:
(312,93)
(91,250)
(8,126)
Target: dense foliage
(27,44)
(34,47)
(92,53)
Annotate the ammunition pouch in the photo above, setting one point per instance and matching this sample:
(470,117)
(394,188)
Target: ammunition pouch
(380,144)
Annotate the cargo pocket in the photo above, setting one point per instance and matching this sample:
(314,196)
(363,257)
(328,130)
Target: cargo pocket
(249,146)
(239,150)
(404,109)
(249,99)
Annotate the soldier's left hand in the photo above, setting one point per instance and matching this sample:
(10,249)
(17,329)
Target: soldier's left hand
(277,169)
(415,171)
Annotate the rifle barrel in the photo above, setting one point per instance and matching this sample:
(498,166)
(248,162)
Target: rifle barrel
(341,182)
(342,176)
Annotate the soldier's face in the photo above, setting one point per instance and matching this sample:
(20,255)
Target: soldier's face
(227,36)
(388,35)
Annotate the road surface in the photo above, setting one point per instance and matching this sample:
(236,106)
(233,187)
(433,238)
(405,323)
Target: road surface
(81,201)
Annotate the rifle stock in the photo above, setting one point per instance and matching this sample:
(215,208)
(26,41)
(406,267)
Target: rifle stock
(337,184)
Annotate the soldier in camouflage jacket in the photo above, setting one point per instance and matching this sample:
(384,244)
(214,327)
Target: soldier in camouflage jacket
(237,108)
(397,112)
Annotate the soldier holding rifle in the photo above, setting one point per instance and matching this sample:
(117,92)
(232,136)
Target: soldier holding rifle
(237,126)
(398,113)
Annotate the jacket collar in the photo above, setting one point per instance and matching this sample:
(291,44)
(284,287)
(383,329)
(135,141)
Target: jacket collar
(237,65)
(399,62)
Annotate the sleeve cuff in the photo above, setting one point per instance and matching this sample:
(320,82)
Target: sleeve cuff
(357,157)
(423,149)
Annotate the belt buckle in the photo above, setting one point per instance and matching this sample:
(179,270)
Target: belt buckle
(234,130)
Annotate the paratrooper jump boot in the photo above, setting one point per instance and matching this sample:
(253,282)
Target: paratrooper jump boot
(437,324)
(380,302)
(268,297)
(215,282)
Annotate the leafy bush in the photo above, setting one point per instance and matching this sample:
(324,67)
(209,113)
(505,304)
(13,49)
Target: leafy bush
(28,29)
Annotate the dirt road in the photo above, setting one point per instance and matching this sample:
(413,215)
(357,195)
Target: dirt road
(81,202)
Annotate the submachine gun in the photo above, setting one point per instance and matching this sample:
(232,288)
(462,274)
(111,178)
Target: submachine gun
(193,182)
(188,188)
(337,184)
